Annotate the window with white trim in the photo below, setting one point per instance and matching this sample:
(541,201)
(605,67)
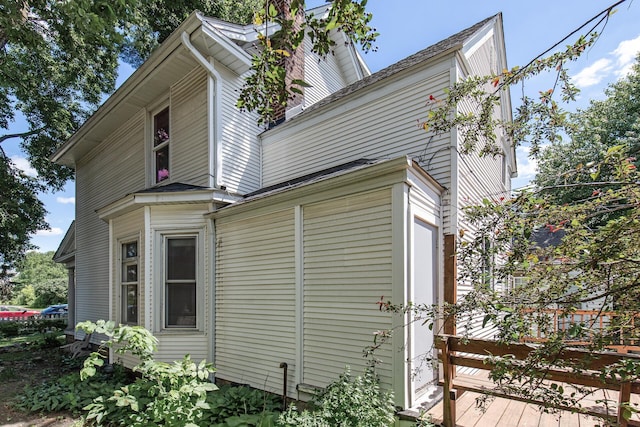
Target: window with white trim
(180,281)
(161,139)
(129,283)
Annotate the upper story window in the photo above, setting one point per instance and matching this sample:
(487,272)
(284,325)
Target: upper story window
(129,283)
(161,139)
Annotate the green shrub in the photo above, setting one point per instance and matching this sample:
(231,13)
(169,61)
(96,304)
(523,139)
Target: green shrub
(165,394)
(53,327)
(69,393)
(347,403)
(9,329)
(241,406)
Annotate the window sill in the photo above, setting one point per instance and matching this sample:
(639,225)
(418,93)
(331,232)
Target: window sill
(181,331)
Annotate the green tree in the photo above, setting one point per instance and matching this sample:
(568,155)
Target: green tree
(592,131)
(162,17)
(44,280)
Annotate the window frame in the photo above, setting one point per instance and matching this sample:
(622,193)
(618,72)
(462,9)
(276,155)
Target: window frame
(162,284)
(123,285)
(164,144)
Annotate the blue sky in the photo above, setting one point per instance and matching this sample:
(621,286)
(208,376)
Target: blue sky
(407,26)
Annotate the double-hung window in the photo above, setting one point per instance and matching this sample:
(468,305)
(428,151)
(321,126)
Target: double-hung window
(161,138)
(129,283)
(180,281)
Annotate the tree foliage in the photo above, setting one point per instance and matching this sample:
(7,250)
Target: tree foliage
(39,281)
(592,131)
(266,89)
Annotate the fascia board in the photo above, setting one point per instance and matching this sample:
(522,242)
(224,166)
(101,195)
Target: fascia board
(224,41)
(377,171)
(132,202)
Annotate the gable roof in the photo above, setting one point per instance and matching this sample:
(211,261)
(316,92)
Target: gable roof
(450,44)
(167,64)
(67,249)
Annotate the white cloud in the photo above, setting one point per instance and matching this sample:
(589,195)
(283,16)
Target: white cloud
(593,74)
(625,55)
(54,231)
(526,166)
(24,165)
(66,200)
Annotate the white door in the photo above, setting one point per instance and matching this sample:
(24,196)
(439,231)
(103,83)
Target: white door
(423,291)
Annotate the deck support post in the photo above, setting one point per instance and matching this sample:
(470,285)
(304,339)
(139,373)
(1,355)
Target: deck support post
(623,401)
(449,393)
(450,280)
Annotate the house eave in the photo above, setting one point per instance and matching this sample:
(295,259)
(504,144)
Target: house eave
(67,249)
(394,170)
(134,201)
(124,99)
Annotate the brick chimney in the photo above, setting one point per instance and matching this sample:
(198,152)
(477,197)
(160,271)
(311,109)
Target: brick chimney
(294,64)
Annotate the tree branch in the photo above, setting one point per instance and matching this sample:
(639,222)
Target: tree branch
(20,135)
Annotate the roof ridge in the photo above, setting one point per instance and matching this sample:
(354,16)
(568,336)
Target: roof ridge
(429,52)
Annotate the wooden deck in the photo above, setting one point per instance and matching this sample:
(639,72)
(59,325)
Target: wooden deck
(512,413)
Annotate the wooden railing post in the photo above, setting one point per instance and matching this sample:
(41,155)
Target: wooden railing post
(449,393)
(623,402)
(450,280)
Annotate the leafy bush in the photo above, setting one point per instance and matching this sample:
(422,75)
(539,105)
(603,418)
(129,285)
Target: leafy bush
(9,329)
(165,394)
(347,403)
(241,406)
(69,393)
(49,329)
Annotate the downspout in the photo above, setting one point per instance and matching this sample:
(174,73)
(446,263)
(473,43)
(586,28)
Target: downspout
(215,129)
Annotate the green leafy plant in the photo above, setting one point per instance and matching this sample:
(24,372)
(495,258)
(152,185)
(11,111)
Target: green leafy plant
(9,329)
(69,392)
(241,406)
(170,394)
(348,402)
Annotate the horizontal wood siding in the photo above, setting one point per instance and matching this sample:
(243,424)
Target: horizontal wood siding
(189,129)
(381,123)
(347,267)
(114,169)
(175,346)
(479,177)
(240,144)
(323,74)
(255,299)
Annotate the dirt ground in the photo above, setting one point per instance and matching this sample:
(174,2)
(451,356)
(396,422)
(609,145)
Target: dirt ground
(21,366)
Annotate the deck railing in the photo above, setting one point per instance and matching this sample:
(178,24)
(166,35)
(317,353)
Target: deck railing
(625,336)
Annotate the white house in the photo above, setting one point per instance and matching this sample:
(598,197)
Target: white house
(252,248)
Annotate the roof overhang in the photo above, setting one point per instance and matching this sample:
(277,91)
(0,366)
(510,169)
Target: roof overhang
(383,172)
(135,201)
(170,62)
(66,252)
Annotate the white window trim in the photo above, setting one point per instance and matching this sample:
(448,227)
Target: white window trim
(159,288)
(151,150)
(120,264)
